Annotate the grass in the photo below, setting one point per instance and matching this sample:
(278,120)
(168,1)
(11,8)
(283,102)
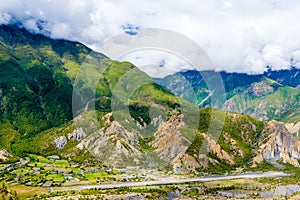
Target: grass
(91,176)
(62,163)
(25,192)
(292,179)
(56,177)
(19,171)
(153,192)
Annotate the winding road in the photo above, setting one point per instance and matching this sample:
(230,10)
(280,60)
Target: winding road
(164,181)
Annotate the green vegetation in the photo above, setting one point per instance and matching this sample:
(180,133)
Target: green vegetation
(287,168)
(38,81)
(144,144)
(243,130)
(40,170)
(273,100)
(147,193)
(36,87)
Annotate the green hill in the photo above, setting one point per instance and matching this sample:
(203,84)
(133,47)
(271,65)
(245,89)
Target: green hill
(37,77)
(256,95)
(60,98)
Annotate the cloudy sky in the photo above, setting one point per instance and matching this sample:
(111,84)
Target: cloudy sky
(238,35)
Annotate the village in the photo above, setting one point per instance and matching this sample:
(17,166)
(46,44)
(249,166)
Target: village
(52,171)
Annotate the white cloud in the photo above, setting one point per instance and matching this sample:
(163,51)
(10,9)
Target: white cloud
(31,24)
(5,18)
(242,36)
(157,63)
(60,30)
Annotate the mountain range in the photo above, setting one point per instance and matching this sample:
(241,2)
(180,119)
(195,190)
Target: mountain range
(272,95)
(131,119)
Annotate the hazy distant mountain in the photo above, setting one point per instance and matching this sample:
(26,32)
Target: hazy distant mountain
(272,95)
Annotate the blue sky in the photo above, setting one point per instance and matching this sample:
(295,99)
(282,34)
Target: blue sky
(238,35)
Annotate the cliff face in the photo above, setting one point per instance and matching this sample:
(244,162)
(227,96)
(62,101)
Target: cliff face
(113,145)
(168,142)
(277,143)
(242,139)
(293,128)
(186,162)
(4,155)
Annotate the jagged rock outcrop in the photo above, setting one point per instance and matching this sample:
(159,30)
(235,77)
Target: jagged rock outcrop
(169,142)
(277,143)
(60,142)
(216,149)
(261,89)
(53,157)
(157,120)
(293,128)
(4,155)
(186,163)
(78,134)
(113,145)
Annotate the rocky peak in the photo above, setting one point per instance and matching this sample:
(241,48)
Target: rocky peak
(277,143)
(78,135)
(261,89)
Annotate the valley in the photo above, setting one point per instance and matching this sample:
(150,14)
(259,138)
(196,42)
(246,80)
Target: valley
(52,177)
(75,123)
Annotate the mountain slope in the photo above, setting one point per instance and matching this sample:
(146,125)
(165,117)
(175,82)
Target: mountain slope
(267,100)
(286,77)
(128,120)
(38,76)
(256,95)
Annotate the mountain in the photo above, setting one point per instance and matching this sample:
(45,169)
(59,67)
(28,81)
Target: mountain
(276,143)
(286,77)
(260,96)
(39,81)
(61,98)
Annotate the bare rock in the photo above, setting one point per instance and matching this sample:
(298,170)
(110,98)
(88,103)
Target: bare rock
(157,120)
(169,143)
(4,155)
(186,163)
(77,134)
(60,142)
(277,143)
(215,148)
(293,127)
(113,145)
(261,89)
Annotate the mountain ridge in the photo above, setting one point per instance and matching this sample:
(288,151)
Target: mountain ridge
(243,93)
(151,126)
